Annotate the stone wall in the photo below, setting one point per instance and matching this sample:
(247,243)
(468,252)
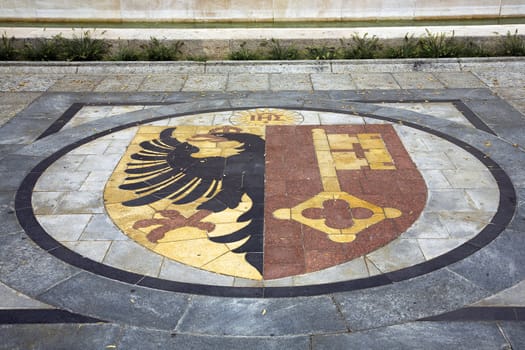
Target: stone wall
(254,10)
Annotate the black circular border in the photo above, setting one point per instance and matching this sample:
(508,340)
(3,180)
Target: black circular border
(28,221)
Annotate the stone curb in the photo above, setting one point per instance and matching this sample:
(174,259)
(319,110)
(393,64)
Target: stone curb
(300,66)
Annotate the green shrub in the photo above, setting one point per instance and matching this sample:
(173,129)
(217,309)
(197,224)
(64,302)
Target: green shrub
(7,48)
(470,48)
(407,49)
(278,52)
(512,45)
(156,50)
(437,45)
(322,53)
(43,50)
(127,53)
(362,47)
(243,54)
(83,47)
(197,58)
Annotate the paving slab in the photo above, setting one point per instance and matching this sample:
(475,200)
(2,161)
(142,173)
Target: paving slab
(373,195)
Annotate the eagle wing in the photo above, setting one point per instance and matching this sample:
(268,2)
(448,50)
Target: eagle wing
(165,169)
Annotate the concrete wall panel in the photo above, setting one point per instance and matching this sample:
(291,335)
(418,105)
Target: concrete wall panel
(512,7)
(377,9)
(457,8)
(293,10)
(254,10)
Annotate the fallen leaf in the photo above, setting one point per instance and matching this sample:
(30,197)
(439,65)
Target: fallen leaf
(263,312)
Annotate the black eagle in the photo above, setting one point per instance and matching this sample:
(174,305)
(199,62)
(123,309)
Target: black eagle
(165,169)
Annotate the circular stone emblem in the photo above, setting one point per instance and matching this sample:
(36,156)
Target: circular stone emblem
(262,198)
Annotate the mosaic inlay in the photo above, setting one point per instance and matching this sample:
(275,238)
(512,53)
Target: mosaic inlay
(265,197)
(199,195)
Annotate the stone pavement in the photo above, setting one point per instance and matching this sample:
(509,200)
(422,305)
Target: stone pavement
(306,205)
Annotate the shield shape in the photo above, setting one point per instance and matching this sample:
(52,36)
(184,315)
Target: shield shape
(265,200)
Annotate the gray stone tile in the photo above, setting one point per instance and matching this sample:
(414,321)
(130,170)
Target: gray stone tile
(90,294)
(435,179)
(433,248)
(459,80)
(470,179)
(428,225)
(11,180)
(133,257)
(172,270)
(261,317)
(92,148)
(509,269)
(80,203)
(64,227)
(59,336)
(310,118)
(442,110)
(76,83)
(464,224)
(164,82)
(417,80)
(137,338)
(518,104)
(396,255)
(501,117)
(55,181)
(101,227)
(372,269)
(68,162)
(16,161)
(332,81)
(334,119)
(29,269)
(499,78)
(279,282)
(18,98)
(408,300)
(7,202)
(10,224)
(512,93)
(116,110)
(449,200)
(24,131)
(27,83)
(287,81)
(251,82)
(97,162)
(515,332)
(436,160)
(486,200)
(94,250)
(348,271)
(118,146)
(513,296)
(8,111)
(201,119)
(374,81)
(11,299)
(420,335)
(462,160)
(205,82)
(118,83)
(243,282)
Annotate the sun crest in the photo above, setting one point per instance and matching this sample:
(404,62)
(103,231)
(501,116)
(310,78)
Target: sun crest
(266,116)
